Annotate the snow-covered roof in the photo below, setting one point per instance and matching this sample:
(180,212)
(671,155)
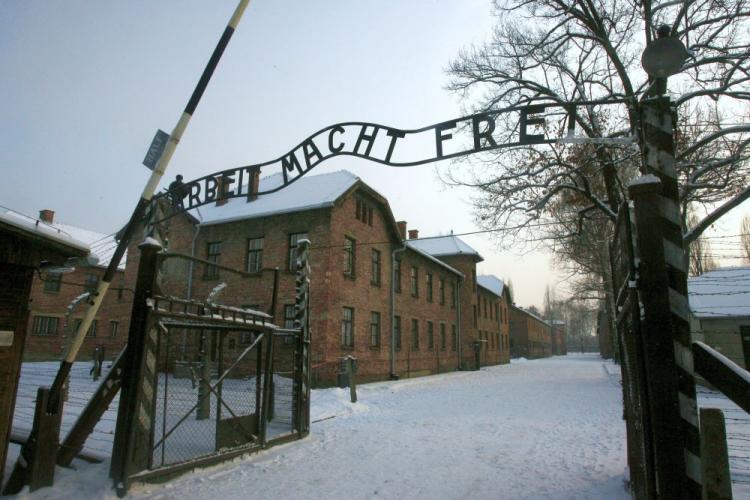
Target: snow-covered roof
(491,283)
(39,228)
(307,193)
(539,318)
(433,259)
(100,245)
(720,293)
(440,246)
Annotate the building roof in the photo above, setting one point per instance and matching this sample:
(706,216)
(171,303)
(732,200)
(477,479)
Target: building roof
(433,259)
(529,313)
(721,293)
(307,193)
(491,283)
(37,229)
(98,244)
(443,246)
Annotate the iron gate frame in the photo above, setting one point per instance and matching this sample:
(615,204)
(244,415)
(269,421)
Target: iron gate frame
(153,314)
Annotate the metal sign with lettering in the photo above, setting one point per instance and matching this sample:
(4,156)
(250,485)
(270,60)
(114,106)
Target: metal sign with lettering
(156,149)
(521,126)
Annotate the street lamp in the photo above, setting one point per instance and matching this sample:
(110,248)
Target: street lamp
(664,56)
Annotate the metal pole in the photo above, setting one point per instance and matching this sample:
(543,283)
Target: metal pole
(140,208)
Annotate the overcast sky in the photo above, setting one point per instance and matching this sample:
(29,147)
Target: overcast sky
(85,85)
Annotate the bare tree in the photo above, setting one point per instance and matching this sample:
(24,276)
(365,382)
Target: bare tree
(745,237)
(577,50)
(700,257)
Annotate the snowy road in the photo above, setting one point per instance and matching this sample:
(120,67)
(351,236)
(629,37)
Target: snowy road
(539,429)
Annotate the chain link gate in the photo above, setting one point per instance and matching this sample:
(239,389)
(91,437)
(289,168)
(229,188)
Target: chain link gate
(204,381)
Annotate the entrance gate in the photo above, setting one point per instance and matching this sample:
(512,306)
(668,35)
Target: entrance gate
(204,382)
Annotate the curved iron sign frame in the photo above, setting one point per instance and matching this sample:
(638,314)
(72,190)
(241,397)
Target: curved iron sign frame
(377,143)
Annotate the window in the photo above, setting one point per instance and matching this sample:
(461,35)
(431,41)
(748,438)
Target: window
(364,212)
(415,334)
(90,282)
(347,327)
(254,255)
(414,282)
(349,256)
(397,332)
(113,326)
(52,282)
(121,289)
(429,287)
(498,311)
(290,313)
(474,280)
(454,338)
(453,295)
(45,325)
(475,314)
(375,267)
(213,252)
(443,344)
(91,331)
(430,335)
(397,275)
(374,329)
(294,239)
(441,291)
(485,307)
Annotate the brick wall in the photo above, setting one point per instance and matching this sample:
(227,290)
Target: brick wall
(53,304)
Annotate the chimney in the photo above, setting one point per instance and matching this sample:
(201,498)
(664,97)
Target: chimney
(220,200)
(253,184)
(413,234)
(47,215)
(401,225)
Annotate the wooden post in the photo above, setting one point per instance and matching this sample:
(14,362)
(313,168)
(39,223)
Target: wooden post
(717,483)
(129,422)
(95,408)
(657,142)
(36,465)
(658,351)
(267,375)
(350,373)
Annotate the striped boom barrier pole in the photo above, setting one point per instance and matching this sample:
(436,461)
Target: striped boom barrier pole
(658,159)
(140,209)
(95,299)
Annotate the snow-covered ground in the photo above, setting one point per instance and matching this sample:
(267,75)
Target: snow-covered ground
(547,428)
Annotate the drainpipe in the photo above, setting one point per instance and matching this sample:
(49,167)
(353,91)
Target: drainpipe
(393,311)
(458,321)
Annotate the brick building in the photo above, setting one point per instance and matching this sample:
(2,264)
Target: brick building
(51,324)
(493,305)
(403,306)
(530,335)
(559,342)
